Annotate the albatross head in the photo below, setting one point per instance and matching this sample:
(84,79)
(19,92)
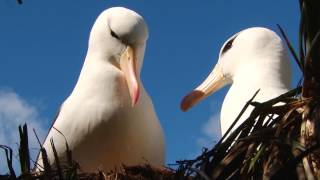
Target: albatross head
(119,36)
(259,47)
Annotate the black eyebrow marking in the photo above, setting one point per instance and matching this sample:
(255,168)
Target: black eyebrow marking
(228,45)
(113,34)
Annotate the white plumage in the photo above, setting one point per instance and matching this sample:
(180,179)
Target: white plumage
(109,119)
(252,59)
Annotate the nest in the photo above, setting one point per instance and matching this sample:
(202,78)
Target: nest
(280,139)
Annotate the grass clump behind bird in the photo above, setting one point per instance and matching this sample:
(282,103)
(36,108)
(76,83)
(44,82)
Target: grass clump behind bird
(56,171)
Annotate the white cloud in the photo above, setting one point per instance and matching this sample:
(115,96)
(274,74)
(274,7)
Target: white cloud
(15,111)
(211,132)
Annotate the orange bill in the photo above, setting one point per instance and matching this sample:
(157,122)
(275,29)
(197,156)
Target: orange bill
(211,84)
(129,68)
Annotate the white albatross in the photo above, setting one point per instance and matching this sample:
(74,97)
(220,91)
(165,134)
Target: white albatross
(109,119)
(252,59)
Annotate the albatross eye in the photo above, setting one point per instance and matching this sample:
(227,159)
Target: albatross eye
(228,45)
(113,34)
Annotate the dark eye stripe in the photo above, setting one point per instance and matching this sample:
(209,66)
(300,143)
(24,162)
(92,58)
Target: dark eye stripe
(113,34)
(228,45)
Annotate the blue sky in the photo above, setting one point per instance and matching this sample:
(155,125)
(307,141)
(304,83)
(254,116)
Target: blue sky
(43,45)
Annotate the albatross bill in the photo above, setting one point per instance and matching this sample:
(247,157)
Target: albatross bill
(128,65)
(211,84)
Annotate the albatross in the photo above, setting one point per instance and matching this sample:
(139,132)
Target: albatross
(253,59)
(109,119)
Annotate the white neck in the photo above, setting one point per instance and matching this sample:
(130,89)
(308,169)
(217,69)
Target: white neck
(272,80)
(264,74)
(104,79)
(100,79)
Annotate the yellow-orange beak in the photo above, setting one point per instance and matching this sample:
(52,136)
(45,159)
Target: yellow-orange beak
(128,66)
(211,84)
